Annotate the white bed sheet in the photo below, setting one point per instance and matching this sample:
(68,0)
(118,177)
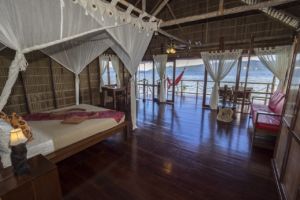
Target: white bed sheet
(41,144)
(52,135)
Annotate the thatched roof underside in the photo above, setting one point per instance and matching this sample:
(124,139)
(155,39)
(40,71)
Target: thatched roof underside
(207,34)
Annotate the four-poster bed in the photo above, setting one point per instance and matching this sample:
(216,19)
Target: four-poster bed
(76,33)
(99,26)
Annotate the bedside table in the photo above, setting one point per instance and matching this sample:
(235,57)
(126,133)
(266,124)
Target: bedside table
(41,184)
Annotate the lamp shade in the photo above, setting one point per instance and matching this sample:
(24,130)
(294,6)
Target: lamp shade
(17,137)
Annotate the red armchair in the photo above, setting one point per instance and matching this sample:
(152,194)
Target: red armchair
(267,118)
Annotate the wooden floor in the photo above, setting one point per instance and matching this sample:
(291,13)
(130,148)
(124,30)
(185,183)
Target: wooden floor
(178,152)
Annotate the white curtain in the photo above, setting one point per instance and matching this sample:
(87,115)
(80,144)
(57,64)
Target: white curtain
(104,61)
(75,55)
(160,62)
(218,65)
(135,44)
(277,60)
(18,64)
(116,65)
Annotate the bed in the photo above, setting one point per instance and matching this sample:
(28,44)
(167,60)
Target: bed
(58,141)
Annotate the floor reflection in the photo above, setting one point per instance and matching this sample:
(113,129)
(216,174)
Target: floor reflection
(187,123)
(179,151)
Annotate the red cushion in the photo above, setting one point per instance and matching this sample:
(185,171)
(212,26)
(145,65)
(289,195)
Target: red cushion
(275,99)
(267,122)
(259,107)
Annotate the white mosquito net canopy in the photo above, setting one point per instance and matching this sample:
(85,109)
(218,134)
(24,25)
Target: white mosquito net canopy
(74,33)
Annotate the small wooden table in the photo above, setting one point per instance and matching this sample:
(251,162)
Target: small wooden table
(114,91)
(41,184)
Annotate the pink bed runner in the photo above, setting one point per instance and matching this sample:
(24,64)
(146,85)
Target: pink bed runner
(79,114)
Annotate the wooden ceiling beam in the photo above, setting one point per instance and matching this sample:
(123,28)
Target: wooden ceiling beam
(160,7)
(139,11)
(173,15)
(144,5)
(230,11)
(137,3)
(172,36)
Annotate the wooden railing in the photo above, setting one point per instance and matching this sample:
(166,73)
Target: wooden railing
(145,89)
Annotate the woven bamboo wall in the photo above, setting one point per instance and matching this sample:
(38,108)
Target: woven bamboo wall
(95,81)
(37,82)
(16,102)
(84,87)
(48,85)
(64,85)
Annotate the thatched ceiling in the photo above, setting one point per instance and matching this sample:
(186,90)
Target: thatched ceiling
(235,30)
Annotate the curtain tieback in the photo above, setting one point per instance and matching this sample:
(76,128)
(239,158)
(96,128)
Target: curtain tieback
(20,61)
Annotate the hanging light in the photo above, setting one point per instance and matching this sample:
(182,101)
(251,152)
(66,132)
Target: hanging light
(171,50)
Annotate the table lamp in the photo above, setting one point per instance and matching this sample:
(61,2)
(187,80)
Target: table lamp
(18,154)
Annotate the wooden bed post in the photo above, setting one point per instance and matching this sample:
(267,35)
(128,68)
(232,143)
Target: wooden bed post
(237,82)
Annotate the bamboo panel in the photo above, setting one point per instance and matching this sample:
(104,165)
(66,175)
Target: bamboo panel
(64,85)
(291,180)
(281,147)
(37,81)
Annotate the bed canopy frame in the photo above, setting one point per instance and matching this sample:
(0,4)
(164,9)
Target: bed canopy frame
(73,32)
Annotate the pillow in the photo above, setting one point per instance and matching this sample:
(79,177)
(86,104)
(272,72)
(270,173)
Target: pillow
(5,129)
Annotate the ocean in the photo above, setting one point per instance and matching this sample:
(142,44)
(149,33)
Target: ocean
(259,78)
(258,74)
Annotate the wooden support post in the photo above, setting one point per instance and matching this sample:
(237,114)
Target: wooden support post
(181,88)
(221,7)
(197,89)
(174,77)
(204,88)
(153,80)
(266,95)
(90,85)
(144,5)
(247,71)
(144,90)
(52,83)
(160,7)
(238,75)
(27,100)
(273,84)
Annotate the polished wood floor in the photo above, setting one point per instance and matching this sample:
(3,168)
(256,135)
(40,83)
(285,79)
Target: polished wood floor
(178,152)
